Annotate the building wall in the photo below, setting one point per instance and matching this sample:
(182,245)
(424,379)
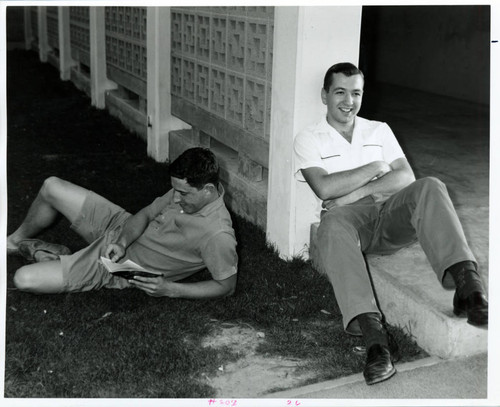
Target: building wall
(439,49)
(221,61)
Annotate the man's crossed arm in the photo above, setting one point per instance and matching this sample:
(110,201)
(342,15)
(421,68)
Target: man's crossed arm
(377,178)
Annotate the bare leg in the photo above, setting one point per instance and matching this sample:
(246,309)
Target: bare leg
(55,197)
(40,278)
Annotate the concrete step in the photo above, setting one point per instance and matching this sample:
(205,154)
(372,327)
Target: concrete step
(411,297)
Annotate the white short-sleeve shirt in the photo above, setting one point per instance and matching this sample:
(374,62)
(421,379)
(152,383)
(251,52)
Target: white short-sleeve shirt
(320,145)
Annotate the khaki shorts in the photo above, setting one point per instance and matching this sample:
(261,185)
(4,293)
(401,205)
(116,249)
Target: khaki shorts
(98,223)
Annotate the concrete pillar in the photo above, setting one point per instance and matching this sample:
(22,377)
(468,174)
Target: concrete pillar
(65,60)
(160,119)
(43,39)
(307,41)
(99,82)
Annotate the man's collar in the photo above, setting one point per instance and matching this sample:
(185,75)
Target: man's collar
(213,206)
(325,127)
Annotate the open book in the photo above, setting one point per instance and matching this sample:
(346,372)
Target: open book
(128,269)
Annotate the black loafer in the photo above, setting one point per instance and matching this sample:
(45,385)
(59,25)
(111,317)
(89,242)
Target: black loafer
(474,307)
(379,365)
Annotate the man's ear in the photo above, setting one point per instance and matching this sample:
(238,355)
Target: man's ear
(323,95)
(210,187)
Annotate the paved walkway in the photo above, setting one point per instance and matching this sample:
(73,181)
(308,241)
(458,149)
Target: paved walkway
(430,378)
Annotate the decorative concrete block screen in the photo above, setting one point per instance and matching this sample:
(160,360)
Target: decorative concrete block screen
(80,34)
(221,74)
(126,48)
(53,28)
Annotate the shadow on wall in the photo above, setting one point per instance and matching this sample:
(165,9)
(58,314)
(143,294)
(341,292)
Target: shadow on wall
(443,50)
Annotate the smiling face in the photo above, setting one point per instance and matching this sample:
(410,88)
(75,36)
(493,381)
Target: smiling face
(189,198)
(343,99)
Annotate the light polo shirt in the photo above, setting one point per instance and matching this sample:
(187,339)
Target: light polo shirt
(320,145)
(180,244)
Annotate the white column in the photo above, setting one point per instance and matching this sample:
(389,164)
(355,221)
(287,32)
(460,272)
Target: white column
(65,60)
(99,83)
(307,41)
(43,39)
(160,119)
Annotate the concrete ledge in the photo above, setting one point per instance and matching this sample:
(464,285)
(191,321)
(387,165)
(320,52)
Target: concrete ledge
(246,198)
(53,60)
(127,111)
(332,385)
(430,378)
(81,81)
(412,298)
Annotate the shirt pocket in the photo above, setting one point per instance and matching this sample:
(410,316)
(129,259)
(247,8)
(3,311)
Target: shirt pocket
(330,155)
(372,152)
(335,160)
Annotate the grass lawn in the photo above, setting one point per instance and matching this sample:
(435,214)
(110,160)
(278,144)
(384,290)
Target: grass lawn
(113,343)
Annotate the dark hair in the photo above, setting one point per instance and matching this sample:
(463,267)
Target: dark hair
(198,166)
(345,68)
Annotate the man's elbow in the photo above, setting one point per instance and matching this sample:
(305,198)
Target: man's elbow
(318,181)
(408,178)
(229,287)
(321,193)
(230,290)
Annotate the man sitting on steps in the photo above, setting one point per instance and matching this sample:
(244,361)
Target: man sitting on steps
(373,204)
(184,231)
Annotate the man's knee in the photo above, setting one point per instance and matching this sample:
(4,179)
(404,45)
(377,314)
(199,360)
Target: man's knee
(430,183)
(40,278)
(24,279)
(52,188)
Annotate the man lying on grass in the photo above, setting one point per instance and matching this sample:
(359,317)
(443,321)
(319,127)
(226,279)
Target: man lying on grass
(184,231)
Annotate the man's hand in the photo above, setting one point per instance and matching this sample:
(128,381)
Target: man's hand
(384,168)
(343,200)
(115,252)
(130,232)
(155,286)
(381,196)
